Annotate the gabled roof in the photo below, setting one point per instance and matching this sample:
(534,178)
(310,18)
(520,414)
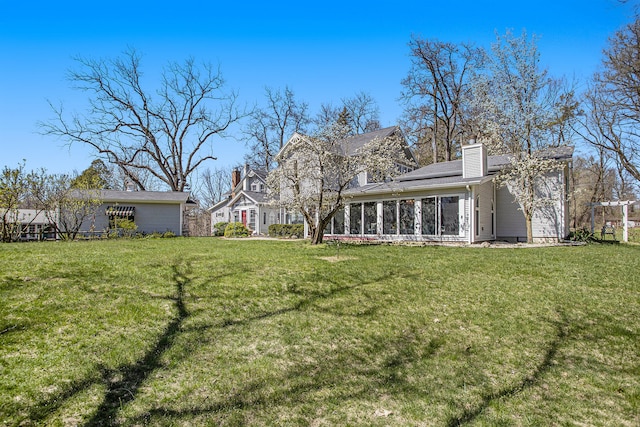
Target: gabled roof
(356,142)
(350,145)
(259,173)
(252,195)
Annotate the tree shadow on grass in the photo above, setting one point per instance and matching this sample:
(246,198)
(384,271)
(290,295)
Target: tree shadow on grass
(343,375)
(122,384)
(562,333)
(305,381)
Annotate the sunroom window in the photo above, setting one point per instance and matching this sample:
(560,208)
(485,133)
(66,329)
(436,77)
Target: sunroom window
(407,217)
(389,217)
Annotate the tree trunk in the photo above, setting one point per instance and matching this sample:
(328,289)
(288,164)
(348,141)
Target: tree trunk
(317,236)
(529,224)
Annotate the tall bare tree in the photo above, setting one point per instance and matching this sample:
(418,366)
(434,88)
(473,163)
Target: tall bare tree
(359,113)
(167,132)
(363,113)
(436,95)
(212,185)
(271,126)
(612,103)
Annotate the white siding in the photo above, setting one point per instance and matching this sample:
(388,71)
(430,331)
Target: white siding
(474,161)
(549,222)
(484,194)
(511,225)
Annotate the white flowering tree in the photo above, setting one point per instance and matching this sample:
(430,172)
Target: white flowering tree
(315,171)
(521,112)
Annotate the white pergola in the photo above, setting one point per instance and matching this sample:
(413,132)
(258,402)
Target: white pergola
(625,215)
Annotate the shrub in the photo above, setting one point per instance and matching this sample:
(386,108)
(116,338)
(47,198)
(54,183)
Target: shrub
(582,235)
(218,228)
(236,229)
(168,234)
(286,230)
(123,228)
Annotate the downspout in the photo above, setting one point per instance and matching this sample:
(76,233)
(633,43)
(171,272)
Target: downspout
(471,215)
(182,213)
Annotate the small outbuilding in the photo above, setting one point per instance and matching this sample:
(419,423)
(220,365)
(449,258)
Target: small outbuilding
(151,211)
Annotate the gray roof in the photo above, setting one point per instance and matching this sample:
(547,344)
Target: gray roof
(145,196)
(494,164)
(449,174)
(258,197)
(418,184)
(355,142)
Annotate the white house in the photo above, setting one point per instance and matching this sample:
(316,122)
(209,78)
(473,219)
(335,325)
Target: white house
(456,201)
(247,202)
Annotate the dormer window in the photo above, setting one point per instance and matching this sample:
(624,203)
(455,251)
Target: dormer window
(254,187)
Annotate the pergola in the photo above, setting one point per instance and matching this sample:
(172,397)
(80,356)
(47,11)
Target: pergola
(625,215)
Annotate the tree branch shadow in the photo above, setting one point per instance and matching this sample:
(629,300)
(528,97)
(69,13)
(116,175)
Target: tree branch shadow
(562,333)
(306,381)
(124,383)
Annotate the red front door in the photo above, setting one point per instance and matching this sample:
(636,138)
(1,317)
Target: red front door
(244,218)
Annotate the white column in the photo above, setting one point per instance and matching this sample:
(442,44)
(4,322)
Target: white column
(379,218)
(417,212)
(347,218)
(625,217)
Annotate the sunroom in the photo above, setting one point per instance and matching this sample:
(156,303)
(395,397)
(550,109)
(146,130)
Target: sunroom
(443,215)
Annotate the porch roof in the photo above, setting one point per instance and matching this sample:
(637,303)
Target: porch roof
(397,186)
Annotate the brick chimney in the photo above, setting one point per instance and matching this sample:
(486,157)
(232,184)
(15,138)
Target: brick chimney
(235,180)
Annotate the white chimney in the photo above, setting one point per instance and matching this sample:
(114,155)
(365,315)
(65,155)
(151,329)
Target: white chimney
(474,160)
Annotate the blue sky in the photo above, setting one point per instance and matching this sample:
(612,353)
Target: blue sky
(323,51)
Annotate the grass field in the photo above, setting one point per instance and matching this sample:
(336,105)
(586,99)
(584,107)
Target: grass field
(218,332)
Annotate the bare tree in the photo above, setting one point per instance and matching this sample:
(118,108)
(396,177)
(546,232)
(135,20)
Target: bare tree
(436,95)
(327,116)
(591,181)
(167,132)
(360,114)
(212,185)
(316,170)
(363,113)
(612,103)
(269,127)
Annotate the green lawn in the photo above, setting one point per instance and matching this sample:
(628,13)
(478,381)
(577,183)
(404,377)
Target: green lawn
(218,332)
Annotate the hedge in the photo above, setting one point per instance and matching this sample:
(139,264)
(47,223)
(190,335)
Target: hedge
(286,230)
